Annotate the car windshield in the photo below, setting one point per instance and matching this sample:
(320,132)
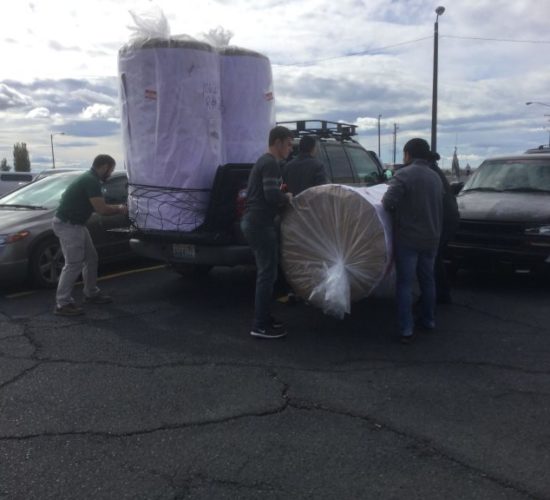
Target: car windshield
(44,193)
(511,175)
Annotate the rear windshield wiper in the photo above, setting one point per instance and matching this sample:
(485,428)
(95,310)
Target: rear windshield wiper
(528,190)
(29,207)
(482,189)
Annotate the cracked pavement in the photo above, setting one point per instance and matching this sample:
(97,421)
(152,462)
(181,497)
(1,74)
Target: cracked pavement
(163,395)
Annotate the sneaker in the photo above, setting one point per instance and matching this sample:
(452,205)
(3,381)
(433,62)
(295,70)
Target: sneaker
(275,323)
(422,327)
(407,339)
(268,333)
(100,298)
(68,310)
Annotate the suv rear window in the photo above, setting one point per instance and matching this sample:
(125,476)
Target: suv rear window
(342,172)
(365,167)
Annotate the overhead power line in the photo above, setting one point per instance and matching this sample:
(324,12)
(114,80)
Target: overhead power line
(359,53)
(408,42)
(510,40)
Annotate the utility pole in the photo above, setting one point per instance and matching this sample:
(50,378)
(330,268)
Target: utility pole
(395,128)
(439,11)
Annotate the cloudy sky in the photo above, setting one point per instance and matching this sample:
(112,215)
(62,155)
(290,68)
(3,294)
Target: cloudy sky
(349,60)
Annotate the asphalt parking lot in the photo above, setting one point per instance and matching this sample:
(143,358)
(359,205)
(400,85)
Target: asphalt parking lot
(163,395)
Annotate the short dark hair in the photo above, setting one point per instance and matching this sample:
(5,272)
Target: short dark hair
(307,143)
(418,149)
(279,133)
(101,160)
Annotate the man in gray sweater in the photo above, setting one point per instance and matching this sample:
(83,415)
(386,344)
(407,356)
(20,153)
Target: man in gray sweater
(415,199)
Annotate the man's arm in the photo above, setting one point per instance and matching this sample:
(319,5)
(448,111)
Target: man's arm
(271,183)
(320,176)
(394,194)
(103,209)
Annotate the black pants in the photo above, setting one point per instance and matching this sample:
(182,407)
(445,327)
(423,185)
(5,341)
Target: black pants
(442,283)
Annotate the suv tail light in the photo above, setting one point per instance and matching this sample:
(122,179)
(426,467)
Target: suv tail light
(240,203)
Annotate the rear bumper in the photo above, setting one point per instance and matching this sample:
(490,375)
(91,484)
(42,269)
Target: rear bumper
(223,255)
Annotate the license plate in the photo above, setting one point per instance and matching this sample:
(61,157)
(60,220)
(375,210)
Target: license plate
(183,251)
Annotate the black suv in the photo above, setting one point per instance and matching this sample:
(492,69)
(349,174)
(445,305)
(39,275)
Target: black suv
(219,241)
(345,160)
(505,215)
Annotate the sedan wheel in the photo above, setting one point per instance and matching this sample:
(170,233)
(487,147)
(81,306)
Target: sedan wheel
(46,263)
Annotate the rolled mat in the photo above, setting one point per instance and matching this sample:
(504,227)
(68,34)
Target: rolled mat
(336,245)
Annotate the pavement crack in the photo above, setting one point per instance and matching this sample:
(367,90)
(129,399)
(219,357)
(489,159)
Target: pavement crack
(19,376)
(425,443)
(199,481)
(142,432)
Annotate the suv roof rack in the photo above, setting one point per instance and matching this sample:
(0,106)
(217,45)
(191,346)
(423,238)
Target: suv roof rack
(324,129)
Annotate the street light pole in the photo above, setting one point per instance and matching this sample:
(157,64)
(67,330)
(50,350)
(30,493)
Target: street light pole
(379,116)
(439,11)
(51,142)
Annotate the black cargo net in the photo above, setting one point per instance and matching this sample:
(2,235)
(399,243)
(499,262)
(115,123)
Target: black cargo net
(153,208)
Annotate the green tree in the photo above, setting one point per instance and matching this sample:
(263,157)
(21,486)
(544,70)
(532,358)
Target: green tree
(4,167)
(21,162)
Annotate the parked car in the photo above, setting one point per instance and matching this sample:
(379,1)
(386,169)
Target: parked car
(9,181)
(28,247)
(219,240)
(52,171)
(505,215)
(540,149)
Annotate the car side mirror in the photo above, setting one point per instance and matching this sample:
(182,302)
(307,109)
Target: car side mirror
(456,187)
(388,174)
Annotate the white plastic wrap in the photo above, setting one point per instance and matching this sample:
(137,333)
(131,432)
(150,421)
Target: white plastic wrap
(171,91)
(248,111)
(336,245)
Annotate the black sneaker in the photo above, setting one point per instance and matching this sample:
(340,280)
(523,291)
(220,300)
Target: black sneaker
(68,310)
(407,339)
(275,323)
(268,333)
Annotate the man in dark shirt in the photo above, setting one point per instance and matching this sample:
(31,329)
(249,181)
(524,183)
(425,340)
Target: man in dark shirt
(451,220)
(263,202)
(415,198)
(305,171)
(80,199)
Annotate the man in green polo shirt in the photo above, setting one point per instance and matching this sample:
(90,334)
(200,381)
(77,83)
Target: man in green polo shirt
(79,201)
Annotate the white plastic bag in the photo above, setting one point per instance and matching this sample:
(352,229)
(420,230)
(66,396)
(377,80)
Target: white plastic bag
(333,292)
(218,37)
(149,22)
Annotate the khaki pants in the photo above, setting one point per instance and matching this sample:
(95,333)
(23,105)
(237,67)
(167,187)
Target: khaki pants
(80,257)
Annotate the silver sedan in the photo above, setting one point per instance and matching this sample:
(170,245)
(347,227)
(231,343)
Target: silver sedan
(28,248)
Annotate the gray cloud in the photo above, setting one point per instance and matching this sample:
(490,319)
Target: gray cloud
(11,97)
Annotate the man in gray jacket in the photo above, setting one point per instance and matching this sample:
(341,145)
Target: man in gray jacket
(415,199)
(305,171)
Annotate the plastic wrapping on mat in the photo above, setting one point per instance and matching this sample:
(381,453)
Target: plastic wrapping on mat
(174,134)
(336,245)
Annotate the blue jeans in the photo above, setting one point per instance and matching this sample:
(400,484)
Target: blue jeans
(261,235)
(408,263)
